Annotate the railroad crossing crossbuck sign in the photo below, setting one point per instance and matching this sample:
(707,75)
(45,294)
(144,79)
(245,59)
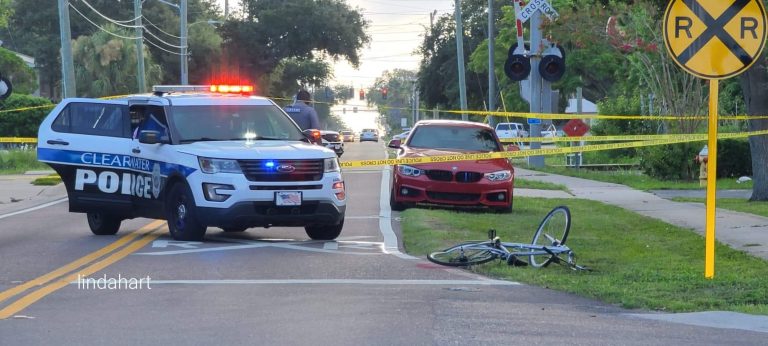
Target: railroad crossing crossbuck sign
(715,39)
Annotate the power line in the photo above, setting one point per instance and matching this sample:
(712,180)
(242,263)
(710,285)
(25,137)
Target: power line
(99,27)
(113,21)
(161,40)
(161,48)
(158,28)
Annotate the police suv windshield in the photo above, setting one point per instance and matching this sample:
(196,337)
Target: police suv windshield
(233,122)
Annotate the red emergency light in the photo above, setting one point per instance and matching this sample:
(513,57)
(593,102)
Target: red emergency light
(234,89)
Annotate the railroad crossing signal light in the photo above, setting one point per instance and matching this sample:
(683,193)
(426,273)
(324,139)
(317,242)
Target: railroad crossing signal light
(384,92)
(552,64)
(518,66)
(362,95)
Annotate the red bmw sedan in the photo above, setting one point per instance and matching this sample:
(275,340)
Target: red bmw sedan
(464,183)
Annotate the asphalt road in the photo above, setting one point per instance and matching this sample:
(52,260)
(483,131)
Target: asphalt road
(274,286)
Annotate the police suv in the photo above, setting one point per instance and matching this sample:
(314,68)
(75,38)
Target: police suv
(194,156)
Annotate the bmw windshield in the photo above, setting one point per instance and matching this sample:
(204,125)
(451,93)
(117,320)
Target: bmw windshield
(233,122)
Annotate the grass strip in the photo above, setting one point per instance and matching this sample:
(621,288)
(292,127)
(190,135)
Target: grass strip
(49,180)
(638,262)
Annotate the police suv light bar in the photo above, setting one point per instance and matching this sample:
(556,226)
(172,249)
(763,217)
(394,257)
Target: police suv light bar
(237,89)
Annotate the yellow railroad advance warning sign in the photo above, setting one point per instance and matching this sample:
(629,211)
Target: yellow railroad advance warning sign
(715,39)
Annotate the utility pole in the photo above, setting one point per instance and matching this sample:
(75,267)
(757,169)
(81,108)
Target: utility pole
(184,57)
(460,59)
(140,74)
(413,103)
(226,9)
(536,86)
(67,66)
(491,64)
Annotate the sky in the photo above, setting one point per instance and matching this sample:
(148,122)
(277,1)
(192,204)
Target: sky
(396,28)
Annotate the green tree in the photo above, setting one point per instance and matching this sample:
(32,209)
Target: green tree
(270,31)
(107,65)
(22,123)
(292,74)
(16,70)
(399,84)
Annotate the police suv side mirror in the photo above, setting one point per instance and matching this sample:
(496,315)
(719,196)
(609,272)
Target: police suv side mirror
(149,137)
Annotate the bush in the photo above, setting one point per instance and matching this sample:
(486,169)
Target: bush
(734,158)
(671,162)
(22,123)
(17,161)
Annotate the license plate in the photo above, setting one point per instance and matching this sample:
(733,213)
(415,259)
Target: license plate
(288,198)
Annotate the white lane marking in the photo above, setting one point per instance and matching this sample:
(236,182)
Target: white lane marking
(361,217)
(46,205)
(385,219)
(331,245)
(336,282)
(181,244)
(293,245)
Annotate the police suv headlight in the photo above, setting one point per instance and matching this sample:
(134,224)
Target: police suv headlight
(499,176)
(213,193)
(210,166)
(332,165)
(409,171)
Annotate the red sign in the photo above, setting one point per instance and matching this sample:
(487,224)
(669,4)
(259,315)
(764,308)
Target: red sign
(575,128)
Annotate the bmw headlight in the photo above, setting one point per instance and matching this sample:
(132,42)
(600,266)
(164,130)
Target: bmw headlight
(332,165)
(409,171)
(499,176)
(210,166)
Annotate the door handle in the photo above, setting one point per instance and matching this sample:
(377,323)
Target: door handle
(136,150)
(57,142)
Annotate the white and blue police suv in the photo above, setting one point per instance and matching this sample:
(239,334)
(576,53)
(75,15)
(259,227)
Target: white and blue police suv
(196,157)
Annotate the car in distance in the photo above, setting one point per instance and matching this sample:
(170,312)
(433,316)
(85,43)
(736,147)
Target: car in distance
(369,135)
(347,136)
(196,156)
(486,183)
(332,140)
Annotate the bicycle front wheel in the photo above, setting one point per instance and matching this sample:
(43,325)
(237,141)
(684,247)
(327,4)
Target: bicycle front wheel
(553,231)
(463,255)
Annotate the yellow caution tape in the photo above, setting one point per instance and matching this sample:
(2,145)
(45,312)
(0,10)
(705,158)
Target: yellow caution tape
(18,140)
(539,152)
(606,138)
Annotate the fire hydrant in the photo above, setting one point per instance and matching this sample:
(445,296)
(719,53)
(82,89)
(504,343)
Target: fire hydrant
(702,159)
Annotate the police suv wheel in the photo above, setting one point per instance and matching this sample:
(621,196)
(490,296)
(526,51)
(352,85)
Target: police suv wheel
(181,214)
(324,232)
(103,224)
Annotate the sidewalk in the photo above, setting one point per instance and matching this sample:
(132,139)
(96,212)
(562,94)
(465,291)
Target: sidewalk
(741,231)
(17,193)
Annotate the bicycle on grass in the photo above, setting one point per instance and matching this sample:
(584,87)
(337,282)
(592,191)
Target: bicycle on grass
(548,246)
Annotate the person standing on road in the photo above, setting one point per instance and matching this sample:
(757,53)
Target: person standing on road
(301,113)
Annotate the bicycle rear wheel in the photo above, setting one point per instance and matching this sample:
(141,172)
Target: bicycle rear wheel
(552,231)
(463,255)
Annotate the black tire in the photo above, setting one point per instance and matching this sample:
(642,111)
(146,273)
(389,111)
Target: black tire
(103,224)
(463,255)
(234,229)
(553,230)
(181,213)
(393,204)
(324,232)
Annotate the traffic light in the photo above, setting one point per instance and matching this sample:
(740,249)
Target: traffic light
(362,95)
(518,66)
(552,64)
(384,92)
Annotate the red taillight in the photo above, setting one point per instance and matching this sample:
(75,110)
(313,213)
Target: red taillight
(234,89)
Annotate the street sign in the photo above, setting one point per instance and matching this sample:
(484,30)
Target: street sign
(715,39)
(575,128)
(534,121)
(540,5)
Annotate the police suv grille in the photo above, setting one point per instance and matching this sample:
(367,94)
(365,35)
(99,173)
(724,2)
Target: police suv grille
(468,177)
(439,175)
(279,170)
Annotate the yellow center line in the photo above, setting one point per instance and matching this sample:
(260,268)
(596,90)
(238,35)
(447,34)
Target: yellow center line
(41,293)
(79,262)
